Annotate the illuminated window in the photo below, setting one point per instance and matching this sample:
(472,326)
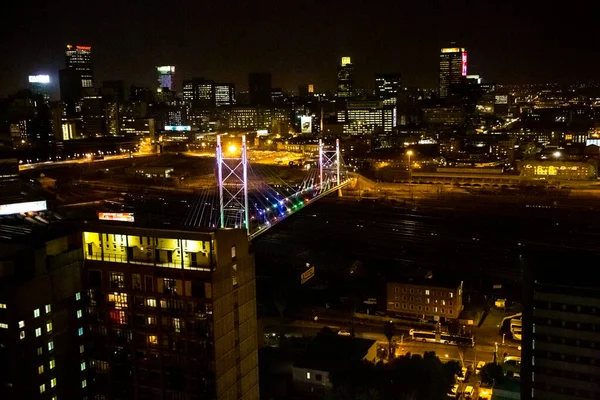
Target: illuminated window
(163,303)
(40,351)
(451,295)
(2,305)
(233,253)
(40,369)
(427,292)
(42,388)
(54,397)
(151,302)
(83,384)
(22,335)
(80,331)
(49,327)
(443,302)
(234,279)
(152,340)
(82,366)
(77,296)
(50,345)
(151,320)
(118,299)
(79,313)
(52,364)
(81,348)
(21,324)
(435,309)
(36,313)
(48,308)
(53,382)
(427,300)
(307,376)
(38,332)
(117,280)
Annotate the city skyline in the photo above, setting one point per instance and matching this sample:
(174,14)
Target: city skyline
(505,45)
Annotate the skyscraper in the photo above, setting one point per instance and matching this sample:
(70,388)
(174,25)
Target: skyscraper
(345,78)
(80,59)
(387,87)
(199,92)
(224,94)
(166,77)
(259,87)
(453,68)
(172,313)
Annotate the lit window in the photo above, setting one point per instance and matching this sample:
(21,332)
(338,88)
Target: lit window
(38,332)
(234,279)
(3,325)
(233,252)
(49,327)
(53,382)
(50,346)
(36,313)
(151,302)
(40,351)
(83,384)
(82,366)
(435,309)
(54,397)
(77,296)
(81,348)
(42,388)
(22,335)
(80,331)
(52,364)
(451,295)
(79,313)
(308,376)
(48,308)
(443,302)
(2,305)
(21,324)
(40,369)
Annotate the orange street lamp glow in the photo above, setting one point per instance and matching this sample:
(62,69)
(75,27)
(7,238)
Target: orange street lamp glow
(232,148)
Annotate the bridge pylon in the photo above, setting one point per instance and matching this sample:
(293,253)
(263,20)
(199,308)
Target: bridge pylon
(232,181)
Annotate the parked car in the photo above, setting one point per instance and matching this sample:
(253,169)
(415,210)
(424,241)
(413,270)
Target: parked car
(469,390)
(463,374)
(343,332)
(371,301)
(480,365)
(453,391)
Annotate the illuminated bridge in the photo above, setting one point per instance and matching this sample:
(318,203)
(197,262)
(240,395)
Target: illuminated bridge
(243,199)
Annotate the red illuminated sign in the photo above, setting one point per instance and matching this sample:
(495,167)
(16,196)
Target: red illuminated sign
(125,217)
(464,63)
(90,48)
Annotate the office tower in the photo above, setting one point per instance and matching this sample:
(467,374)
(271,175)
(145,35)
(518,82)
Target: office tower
(259,88)
(453,68)
(43,354)
(387,87)
(79,58)
(560,336)
(277,96)
(224,94)
(166,77)
(40,85)
(172,312)
(199,92)
(93,113)
(70,89)
(366,118)
(345,78)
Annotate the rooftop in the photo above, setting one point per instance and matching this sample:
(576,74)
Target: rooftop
(328,351)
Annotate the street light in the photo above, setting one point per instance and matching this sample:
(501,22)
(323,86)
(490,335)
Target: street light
(409,153)
(557,154)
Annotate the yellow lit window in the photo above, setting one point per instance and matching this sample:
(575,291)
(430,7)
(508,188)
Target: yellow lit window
(48,308)
(21,324)
(49,327)
(3,325)
(52,364)
(22,335)
(53,382)
(82,366)
(151,302)
(152,339)
(2,305)
(83,384)
(40,369)
(42,388)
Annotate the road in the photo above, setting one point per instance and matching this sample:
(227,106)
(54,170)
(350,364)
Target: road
(53,164)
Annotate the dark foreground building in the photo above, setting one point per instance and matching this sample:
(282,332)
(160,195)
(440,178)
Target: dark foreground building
(172,313)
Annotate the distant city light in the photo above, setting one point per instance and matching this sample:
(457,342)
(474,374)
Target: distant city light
(178,128)
(39,78)
(166,69)
(232,148)
(346,61)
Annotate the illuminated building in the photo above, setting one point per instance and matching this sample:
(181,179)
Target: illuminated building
(247,117)
(560,340)
(43,348)
(558,170)
(443,115)
(224,94)
(366,117)
(277,96)
(306,90)
(172,313)
(387,87)
(259,88)
(166,77)
(40,84)
(425,298)
(79,58)
(345,78)
(452,69)
(199,92)
(93,114)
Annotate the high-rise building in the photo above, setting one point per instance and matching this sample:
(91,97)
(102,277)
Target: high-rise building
(277,96)
(345,78)
(453,68)
(40,84)
(259,87)
(199,92)
(560,339)
(80,59)
(224,94)
(93,113)
(387,87)
(172,313)
(366,118)
(43,353)
(166,77)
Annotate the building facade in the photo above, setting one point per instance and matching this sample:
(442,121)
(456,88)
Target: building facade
(452,68)
(172,313)
(566,170)
(387,87)
(345,78)
(367,117)
(79,58)
(426,299)
(224,94)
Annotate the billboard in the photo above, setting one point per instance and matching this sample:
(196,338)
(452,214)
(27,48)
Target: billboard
(125,217)
(166,69)
(464,63)
(18,208)
(39,78)
(306,124)
(178,128)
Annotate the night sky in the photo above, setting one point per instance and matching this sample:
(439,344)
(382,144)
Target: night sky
(301,41)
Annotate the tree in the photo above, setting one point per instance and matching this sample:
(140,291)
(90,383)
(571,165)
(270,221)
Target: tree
(492,373)
(389,330)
